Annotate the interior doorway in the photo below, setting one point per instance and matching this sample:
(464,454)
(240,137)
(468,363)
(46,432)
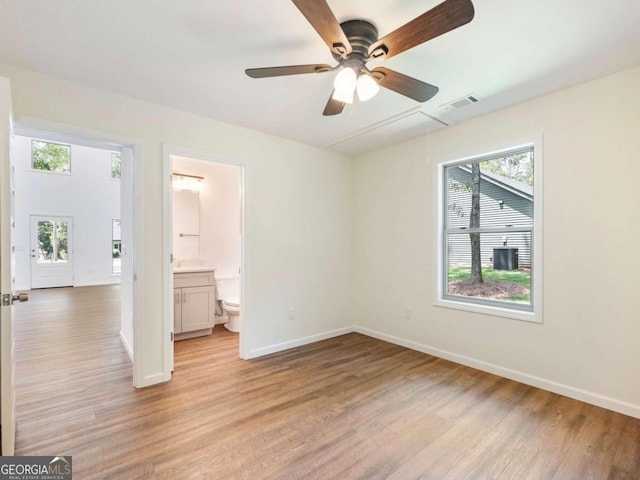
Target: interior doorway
(84,235)
(204,241)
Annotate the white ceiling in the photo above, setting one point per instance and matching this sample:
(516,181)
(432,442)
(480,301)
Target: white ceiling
(191,55)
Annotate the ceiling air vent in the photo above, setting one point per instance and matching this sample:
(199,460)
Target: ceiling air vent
(460,102)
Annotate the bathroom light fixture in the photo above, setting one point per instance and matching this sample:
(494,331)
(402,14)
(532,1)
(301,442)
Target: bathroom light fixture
(183,181)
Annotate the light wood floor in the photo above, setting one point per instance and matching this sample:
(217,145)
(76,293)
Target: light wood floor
(346,408)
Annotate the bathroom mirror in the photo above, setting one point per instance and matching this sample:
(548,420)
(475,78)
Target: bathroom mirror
(186,225)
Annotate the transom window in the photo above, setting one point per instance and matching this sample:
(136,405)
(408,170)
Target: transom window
(115,165)
(488,217)
(50,156)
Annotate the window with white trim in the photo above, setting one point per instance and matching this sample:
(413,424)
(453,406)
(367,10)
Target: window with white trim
(488,255)
(50,156)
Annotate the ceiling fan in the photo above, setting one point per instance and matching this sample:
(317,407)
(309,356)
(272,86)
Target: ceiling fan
(355,42)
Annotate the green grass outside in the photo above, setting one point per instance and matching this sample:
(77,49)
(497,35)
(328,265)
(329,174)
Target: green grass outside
(522,277)
(516,276)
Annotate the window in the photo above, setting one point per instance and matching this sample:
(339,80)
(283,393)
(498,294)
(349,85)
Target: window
(488,250)
(115,165)
(51,157)
(53,239)
(116,246)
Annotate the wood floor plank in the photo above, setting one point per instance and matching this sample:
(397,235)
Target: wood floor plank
(344,408)
(591,454)
(542,454)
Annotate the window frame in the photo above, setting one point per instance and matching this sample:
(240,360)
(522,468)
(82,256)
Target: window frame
(34,169)
(532,313)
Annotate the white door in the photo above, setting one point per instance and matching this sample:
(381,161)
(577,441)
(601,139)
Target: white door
(7,264)
(51,252)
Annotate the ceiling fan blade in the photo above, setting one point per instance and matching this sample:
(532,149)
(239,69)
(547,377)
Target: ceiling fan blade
(404,85)
(319,15)
(333,107)
(443,18)
(287,70)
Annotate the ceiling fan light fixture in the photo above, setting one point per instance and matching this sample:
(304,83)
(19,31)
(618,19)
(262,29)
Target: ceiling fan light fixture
(367,87)
(345,85)
(344,97)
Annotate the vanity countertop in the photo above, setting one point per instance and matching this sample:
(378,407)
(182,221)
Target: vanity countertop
(193,269)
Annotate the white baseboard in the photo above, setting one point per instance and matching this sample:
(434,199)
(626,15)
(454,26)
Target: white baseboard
(566,390)
(126,345)
(96,284)
(149,380)
(278,347)
(80,284)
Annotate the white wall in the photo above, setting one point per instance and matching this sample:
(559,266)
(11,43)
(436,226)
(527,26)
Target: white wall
(298,211)
(88,194)
(220,205)
(588,343)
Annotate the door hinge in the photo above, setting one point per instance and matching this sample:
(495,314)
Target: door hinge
(6,299)
(171,258)
(172,336)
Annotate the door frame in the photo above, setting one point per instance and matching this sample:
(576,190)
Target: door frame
(70,247)
(66,133)
(168,151)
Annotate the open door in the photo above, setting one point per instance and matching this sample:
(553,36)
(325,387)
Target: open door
(7,263)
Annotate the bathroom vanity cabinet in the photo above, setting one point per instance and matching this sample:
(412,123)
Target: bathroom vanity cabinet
(194,299)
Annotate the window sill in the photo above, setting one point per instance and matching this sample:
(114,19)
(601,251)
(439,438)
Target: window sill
(50,172)
(531,317)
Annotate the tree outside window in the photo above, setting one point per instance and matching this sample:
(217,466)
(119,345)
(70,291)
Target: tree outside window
(53,241)
(51,157)
(115,165)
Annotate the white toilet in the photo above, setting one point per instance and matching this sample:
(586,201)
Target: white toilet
(228,295)
(231,306)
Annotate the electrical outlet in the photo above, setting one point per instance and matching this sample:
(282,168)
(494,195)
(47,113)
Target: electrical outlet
(292,313)
(407,313)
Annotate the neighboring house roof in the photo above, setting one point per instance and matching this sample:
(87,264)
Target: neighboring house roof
(519,188)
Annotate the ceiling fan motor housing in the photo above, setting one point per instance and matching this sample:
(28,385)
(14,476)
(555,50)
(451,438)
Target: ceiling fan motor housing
(361,35)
